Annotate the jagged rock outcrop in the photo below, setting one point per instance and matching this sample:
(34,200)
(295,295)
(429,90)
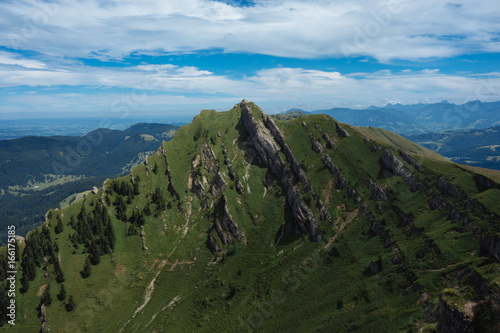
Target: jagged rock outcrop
(334,170)
(491,245)
(224,224)
(230,170)
(171,189)
(329,142)
(393,164)
(232,175)
(218,185)
(269,123)
(212,244)
(436,202)
(268,150)
(376,148)
(208,158)
(452,320)
(351,193)
(143,239)
(406,222)
(316,146)
(378,230)
(449,189)
(377,193)
(410,159)
(484,182)
(342,132)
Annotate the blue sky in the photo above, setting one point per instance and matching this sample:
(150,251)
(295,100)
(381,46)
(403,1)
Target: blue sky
(129,58)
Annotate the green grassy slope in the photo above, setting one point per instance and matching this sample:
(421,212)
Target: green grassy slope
(398,141)
(383,265)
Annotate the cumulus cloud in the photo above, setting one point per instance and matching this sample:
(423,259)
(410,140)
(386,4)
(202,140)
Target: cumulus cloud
(10,58)
(383,29)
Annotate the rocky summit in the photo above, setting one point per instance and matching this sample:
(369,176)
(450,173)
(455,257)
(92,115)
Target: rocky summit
(247,223)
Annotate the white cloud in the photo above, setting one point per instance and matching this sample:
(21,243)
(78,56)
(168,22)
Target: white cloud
(9,58)
(384,29)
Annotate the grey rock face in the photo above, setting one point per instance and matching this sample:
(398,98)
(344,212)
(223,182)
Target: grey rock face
(377,193)
(393,164)
(224,223)
(491,245)
(316,146)
(342,132)
(449,189)
(263,139)
(410,159)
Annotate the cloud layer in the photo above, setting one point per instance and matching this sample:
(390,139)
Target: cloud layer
(75,55)
(382,29)
(147,87)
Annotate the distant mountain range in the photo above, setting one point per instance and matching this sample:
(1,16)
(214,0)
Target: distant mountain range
(37,173)
(419,118)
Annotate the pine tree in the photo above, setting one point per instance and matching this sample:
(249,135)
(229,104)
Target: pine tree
(70,305)
(85,273)
(58,271)
(72,222)
(94,255)
(147,210)
(62,293)
(59,227)
(46,298)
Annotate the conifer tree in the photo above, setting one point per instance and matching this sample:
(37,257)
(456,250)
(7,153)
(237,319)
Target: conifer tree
(85,273)
(59,227)
(94,255)
(62,293)
(58,271)
(46,298)
(70,305)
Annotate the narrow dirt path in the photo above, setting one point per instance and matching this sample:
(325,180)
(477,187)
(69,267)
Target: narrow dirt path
(151,287)
(349,217)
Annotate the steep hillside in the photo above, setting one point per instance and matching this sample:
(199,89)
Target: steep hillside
(245,223)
